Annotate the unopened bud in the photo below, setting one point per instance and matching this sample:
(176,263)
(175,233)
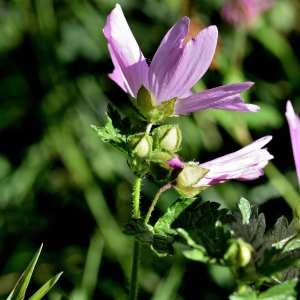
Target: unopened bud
(167,138)
(140,144)
(239,253)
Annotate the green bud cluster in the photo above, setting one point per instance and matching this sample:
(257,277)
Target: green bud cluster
(149,152)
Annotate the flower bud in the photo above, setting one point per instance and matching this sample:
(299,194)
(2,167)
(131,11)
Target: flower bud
(239,253)
(140,145)
(167,138)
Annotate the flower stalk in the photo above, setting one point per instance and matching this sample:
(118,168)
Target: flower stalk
(155,200)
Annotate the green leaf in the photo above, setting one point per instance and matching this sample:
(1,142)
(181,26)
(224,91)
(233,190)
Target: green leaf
(131,123)
(109,134)
(18,293)
(292,245)
(245,209)
(282,231)
(283,291)
(163,224)
(193,251)
(253,232)
(41,292)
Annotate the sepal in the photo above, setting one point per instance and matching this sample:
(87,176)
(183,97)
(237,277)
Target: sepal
(189,176)
(153,113)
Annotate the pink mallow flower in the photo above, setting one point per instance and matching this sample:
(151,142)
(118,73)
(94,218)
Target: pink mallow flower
(294,125)
(244,12)
(175,68)
(244,164)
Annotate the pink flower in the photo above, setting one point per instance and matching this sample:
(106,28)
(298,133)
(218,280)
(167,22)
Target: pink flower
(244,164)
(244,12)
(294,125)
(175,68)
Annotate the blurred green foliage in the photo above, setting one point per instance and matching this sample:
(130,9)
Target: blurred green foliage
(61,186)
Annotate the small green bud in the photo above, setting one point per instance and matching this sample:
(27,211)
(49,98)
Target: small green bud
(140,145)
(239,253)
(188,178)
(167,138)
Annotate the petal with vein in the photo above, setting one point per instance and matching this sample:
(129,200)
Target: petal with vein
(244,164)
(177,66)
(225,97)
(165,60)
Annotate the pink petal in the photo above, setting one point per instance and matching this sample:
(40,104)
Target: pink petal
(165,60)
(294,126)
(177,66)
(196,59)
(117,75)
(131,68)
(244,164)
(223,97)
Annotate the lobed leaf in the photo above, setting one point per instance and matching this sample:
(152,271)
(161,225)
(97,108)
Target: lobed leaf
(110,134)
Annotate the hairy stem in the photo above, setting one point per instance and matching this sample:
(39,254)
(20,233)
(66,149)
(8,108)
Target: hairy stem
(136,198)
(133,292)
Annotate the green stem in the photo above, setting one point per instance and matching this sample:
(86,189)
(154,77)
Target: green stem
(134,287)
(133,292)
(155,199)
